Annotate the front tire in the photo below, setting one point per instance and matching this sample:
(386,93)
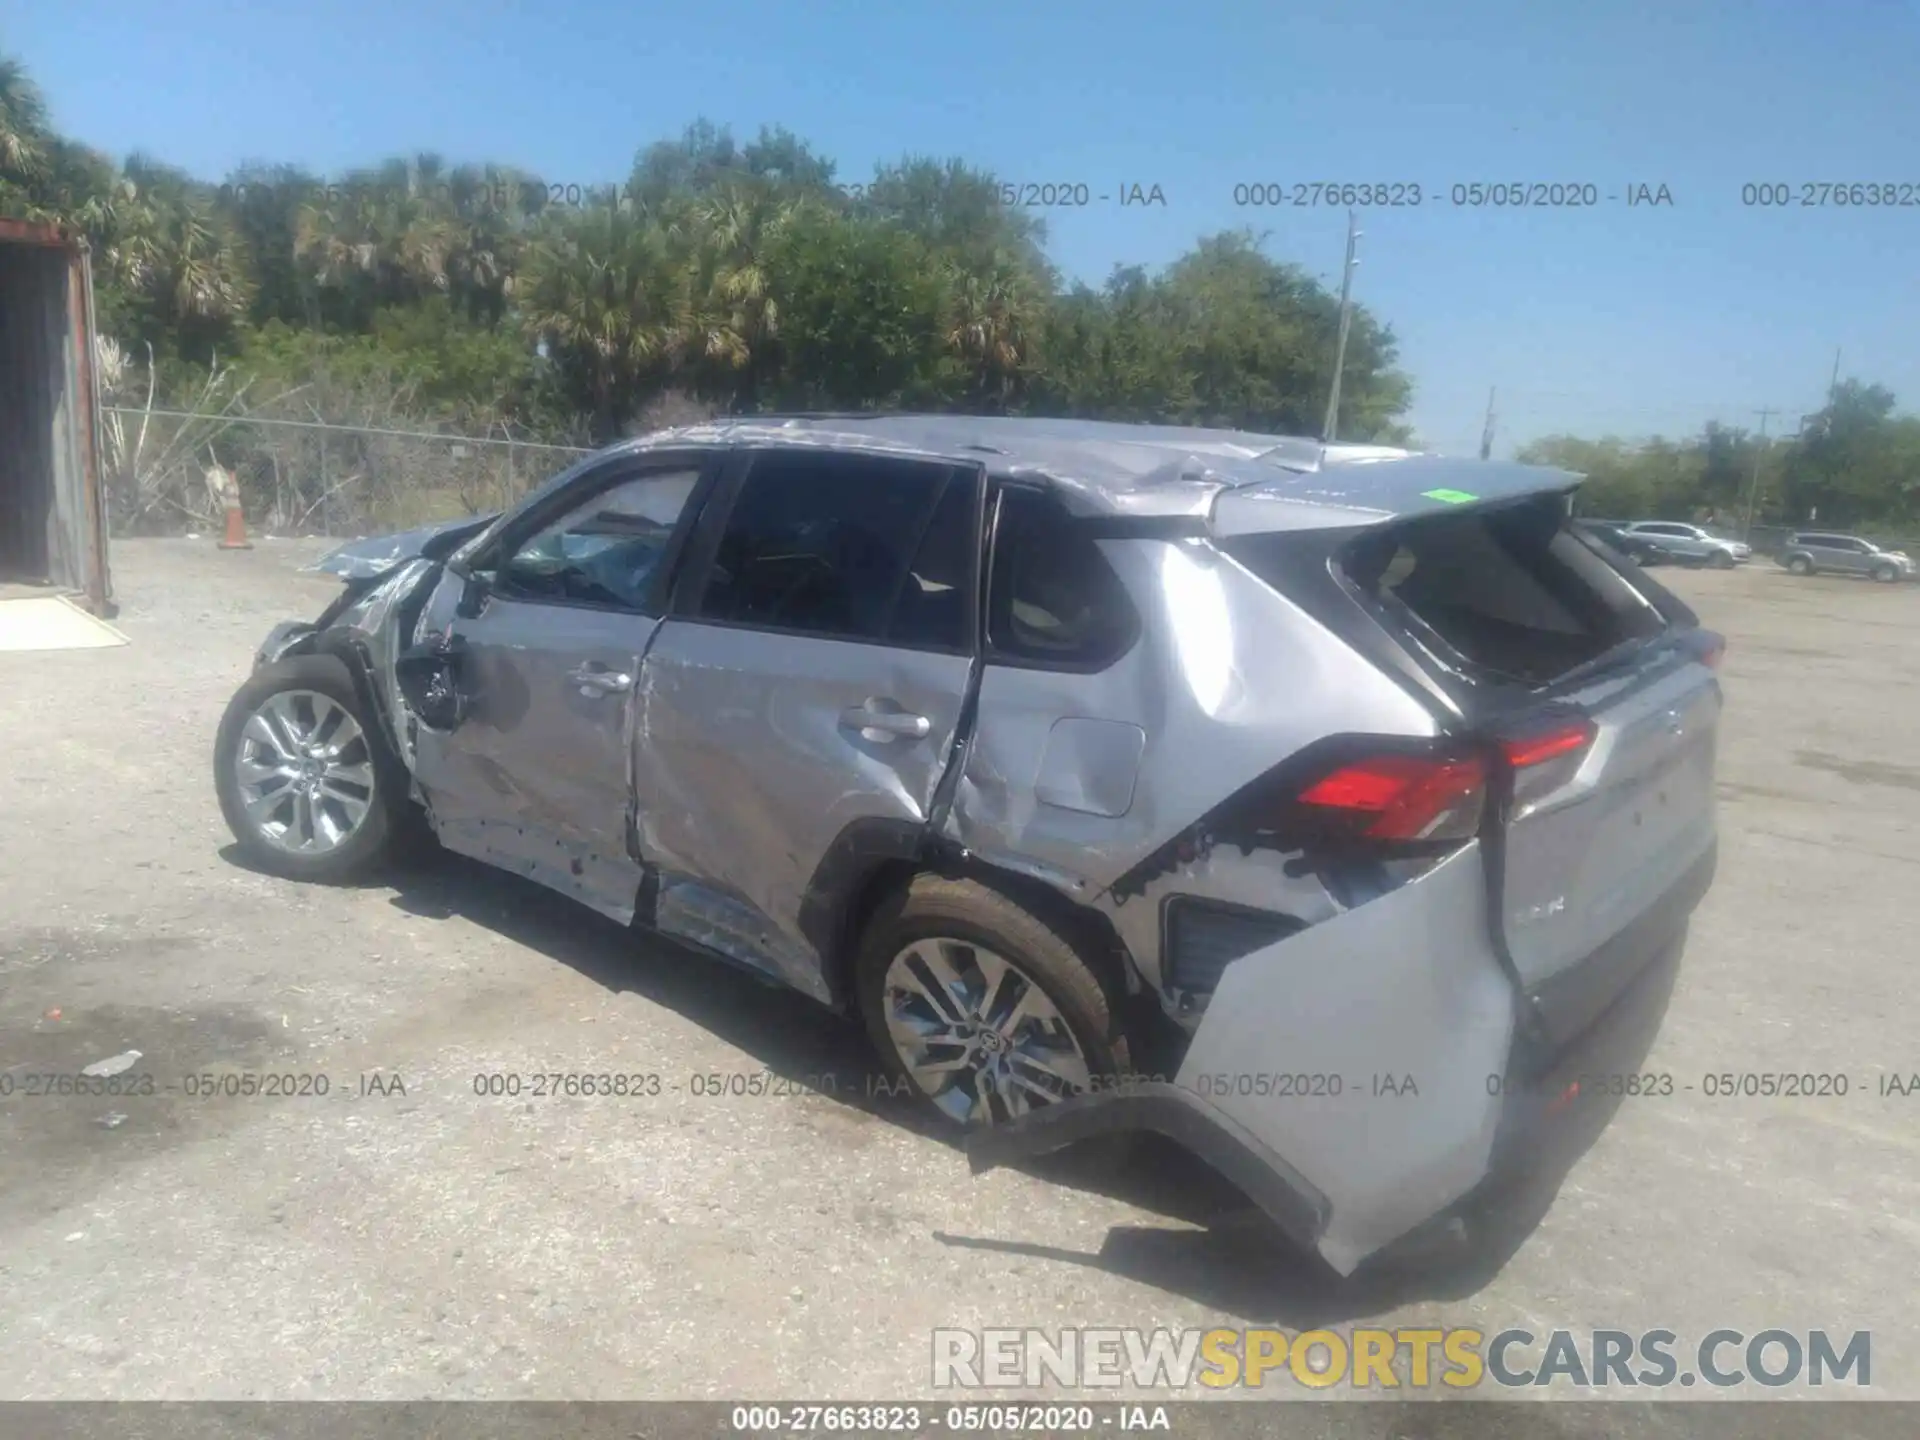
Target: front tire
(305,780)
(982,1007)
(1721,560)
(1800,565)
(1885,574)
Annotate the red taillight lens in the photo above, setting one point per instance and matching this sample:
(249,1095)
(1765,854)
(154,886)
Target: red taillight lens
(1404,797)
(1537,749)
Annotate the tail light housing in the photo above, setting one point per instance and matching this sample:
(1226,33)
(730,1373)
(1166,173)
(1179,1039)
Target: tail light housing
(1545,756)
(1401,798)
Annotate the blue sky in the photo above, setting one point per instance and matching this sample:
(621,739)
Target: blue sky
(1610,320)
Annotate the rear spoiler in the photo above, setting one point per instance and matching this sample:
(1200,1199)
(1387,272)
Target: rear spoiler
(1368,491)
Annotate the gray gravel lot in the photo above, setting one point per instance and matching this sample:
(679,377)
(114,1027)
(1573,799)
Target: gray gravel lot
(437,1243)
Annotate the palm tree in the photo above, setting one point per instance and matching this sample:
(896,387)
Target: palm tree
(490,212)
(991,329)
(23,122)
(603,298)
(380,237)
(734,317)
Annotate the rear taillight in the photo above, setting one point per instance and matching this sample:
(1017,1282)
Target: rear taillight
(1545,758)
(1402,797)
(1568,738)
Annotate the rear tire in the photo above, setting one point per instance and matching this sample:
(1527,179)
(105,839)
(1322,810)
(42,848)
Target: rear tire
(1072,1027)
(1800,565)
(298,733)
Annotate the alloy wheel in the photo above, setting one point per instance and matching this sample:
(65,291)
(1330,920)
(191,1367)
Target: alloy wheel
(305,772)
(978,1034)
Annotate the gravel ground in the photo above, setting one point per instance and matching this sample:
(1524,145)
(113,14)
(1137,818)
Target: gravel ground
(404,1237)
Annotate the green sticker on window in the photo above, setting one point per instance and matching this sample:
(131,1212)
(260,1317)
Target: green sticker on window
(1449,497)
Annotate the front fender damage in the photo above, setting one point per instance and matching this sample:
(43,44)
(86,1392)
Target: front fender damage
(376,627)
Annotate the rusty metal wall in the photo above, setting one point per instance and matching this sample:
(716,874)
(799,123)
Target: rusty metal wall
(52,525)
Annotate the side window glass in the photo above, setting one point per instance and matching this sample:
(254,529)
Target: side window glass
(821,543)
(1052,598)
(607,550)
(931,612)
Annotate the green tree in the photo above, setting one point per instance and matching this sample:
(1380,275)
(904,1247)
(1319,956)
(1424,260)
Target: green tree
(604,297)
(861,306)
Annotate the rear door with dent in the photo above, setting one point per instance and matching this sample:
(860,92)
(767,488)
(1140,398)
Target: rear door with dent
(807,686)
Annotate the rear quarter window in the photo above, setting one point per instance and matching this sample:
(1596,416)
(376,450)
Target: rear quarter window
(1053,601)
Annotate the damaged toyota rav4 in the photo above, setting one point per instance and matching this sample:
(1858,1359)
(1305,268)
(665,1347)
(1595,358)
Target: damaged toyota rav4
(1046,746)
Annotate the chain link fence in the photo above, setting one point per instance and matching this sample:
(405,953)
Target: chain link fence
(309,477)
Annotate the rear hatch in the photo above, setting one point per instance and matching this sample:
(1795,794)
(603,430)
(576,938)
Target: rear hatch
(1590,688)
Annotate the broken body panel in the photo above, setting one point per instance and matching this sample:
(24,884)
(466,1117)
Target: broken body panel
(1347,1063)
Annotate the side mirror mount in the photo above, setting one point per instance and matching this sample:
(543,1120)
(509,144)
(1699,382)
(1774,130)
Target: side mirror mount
(476,586)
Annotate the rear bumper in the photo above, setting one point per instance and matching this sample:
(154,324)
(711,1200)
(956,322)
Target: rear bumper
(1597,1019)
(1179,1114)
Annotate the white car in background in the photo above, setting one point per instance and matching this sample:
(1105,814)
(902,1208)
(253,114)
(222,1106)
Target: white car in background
(1689,544)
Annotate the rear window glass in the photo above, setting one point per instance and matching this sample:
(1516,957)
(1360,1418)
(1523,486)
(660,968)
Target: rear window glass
(1509,594)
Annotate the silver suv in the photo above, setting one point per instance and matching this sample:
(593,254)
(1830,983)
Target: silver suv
(1354,783)
(1687,544)
(1810,551)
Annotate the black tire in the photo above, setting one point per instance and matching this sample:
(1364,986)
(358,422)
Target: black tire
(1721,560)
(1885,574)
(368,845)
(935,905)
(1800,565)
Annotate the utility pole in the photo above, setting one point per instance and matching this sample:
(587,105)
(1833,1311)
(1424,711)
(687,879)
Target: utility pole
(1753,488)
(1834,384)
(1486,431)
(1329,430)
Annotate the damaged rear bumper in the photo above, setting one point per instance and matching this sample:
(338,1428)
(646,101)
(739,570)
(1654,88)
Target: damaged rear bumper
(1354,1175)
(1182,1116)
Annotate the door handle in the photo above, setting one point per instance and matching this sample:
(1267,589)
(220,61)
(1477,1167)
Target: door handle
(598,680)
(875,724)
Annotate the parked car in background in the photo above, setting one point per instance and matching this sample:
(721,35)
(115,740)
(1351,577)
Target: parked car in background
(1688,544)
(1614,533)
(1812,551)
(1048,747)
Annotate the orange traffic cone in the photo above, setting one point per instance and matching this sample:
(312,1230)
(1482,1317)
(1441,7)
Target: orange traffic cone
(236,530)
